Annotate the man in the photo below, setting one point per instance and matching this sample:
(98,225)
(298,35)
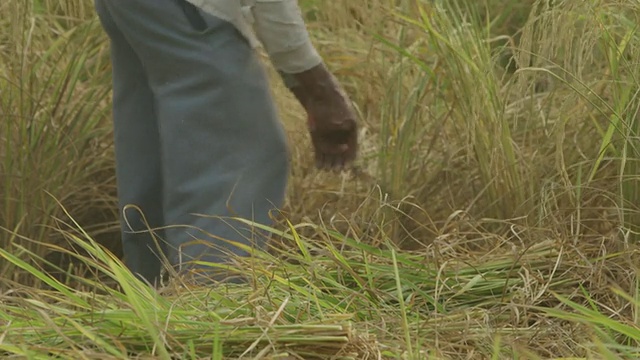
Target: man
(197,137)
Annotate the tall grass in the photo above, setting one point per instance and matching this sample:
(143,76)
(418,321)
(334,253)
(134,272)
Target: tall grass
(54,143)
(476,94)
(593,71)
(534,146)
(493,213)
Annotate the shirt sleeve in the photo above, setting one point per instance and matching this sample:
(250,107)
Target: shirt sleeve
(281,29)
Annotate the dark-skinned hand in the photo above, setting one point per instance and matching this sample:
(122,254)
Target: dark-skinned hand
(331,118)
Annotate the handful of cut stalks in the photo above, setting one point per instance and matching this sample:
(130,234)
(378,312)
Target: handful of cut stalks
(309,308)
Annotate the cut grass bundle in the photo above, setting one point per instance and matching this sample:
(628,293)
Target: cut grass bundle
(313,298)
(227,321)
(185,332)
(612,337)
(386,275)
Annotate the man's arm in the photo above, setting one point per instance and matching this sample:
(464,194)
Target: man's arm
(281,29)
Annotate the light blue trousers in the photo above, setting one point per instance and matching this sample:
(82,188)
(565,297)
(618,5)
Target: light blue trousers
(197,136)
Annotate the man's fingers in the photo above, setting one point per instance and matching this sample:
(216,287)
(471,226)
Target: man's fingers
(334,149)
(336,162)
(340,163)
(328,161)
(319,160)
(332,161)
(331,148)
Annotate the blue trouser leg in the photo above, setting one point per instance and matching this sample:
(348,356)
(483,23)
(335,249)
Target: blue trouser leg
(137,146)
(222,148)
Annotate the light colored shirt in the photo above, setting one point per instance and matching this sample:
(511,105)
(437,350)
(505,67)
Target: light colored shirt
(277,25)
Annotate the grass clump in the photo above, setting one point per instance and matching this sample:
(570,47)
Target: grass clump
(54,142)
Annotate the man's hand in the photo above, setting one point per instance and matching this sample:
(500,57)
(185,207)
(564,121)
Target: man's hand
(332,121)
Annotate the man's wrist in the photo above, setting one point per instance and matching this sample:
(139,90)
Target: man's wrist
(289,80)
(315,76)
(314,85)
(316,81)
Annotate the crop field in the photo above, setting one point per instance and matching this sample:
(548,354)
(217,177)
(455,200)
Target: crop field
(493,212)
